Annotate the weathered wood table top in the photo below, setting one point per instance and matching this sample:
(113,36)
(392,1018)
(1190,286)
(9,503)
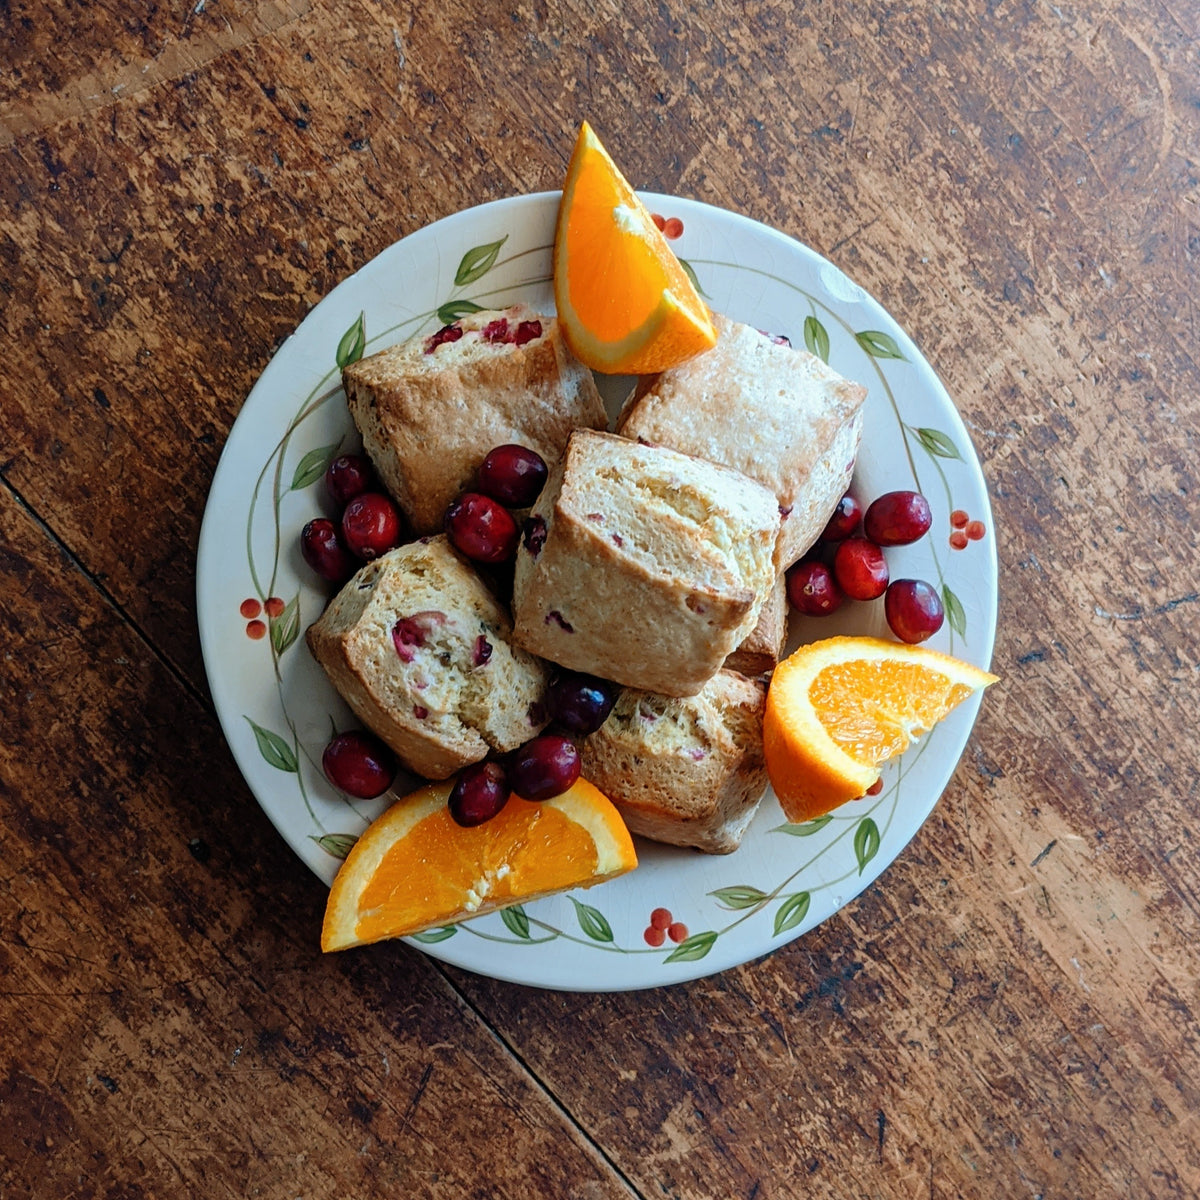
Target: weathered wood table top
(1010,1010)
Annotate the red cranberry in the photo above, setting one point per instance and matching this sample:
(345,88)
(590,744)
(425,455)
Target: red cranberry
(545,766)
(580,703)
(349,475)
(897,518)
(409,633)
(447,333)
(534,535)
(479,793)
(514,475)
(913,610)
(481,528)
(482,653)
(860,569)
(371,525)
(359,764)
(812,589)
(844,521)
(527,331)
(496,331)
(322,548)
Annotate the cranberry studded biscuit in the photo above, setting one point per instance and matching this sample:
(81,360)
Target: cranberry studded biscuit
(690,771)
(430,409)
(778,414)
(419,649)
(642,565)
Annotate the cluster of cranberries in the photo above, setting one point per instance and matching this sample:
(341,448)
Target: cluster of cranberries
(848,563)
(369,523)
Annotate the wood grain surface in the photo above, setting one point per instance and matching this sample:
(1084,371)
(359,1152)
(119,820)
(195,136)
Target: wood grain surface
(1010,1011)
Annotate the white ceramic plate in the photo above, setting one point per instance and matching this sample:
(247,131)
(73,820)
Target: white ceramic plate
(277,709)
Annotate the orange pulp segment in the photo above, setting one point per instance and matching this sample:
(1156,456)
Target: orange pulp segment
(415,868)
(625,303)
(838,708)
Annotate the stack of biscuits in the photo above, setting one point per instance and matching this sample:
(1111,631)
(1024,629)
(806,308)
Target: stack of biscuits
(653,558)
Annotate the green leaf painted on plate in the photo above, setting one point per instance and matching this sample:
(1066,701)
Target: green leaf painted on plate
(791,912)
(453,309)
(816,338)
(693,948)
(312,466)
(477,262)
(937,443)
(866,842)
(336,844)
(354,342)
(285,628)
(690,272)
(515,920)
(742,896)
(273,748)
(954,611)
(592,922)
(805,828)
(878,345)
(430,936)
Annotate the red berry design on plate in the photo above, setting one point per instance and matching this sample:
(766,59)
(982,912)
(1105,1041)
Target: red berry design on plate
(875,788)
(481,528)
(654,936)
(322,548)
(812,589)
(250,608)
(359,764)
(677,932)
(958,540)
(959,519)
(975,530)
(913,610)
(274,607)
(347,476)
(256,630)
(371,525)
(897,518)
(860,569)
(659,221)
(672,228)
(660,918)
(844,521)
(513,474)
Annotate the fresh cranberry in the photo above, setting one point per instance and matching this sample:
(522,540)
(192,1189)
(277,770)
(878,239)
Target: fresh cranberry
(913,610)
(527,331)
(897,518)
(860,569)
(479,793)
(496,331)
(349,475)
(580,703)
(534,535)
(323,550)
(482,653)
(481,528)
(512,474)
(359,764)
(844,521)
(545,766)
(371,525)
(812,589)
(447,333)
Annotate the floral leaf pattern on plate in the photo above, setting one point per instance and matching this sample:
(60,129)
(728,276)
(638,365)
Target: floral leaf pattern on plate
(477,262)
(791,912)
(739,897)
(354,342)
(816,338)
(877,344)
(432,936)
(312,466)
(866,842)
(693,948)
(937,443)
(452,310)
(805,828)
(274,749)
(285,628)
(592,922)
(337,844)
(515,920)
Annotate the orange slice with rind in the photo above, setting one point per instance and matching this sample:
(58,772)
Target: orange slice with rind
(414,868)
(838,708)
(625,303)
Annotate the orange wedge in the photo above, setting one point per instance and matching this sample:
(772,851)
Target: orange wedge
(838,708)
(414,868)
(625,304)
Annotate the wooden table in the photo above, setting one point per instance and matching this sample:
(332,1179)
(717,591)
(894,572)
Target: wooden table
(1010,1011)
